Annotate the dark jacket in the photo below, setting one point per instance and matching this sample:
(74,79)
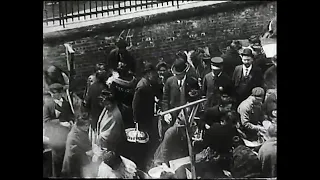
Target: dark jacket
(254,80)
(268,158)
(231,59)
(50,107)
(93,103)
(143,103)
(212,115)
(270,78)
(270,104)
(113,59)
(220,137)
(246,163)
(211,86)
(173,146)
(171,95)
(75,157)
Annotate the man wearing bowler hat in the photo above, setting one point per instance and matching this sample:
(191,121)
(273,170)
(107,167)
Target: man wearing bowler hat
(246,76)
(214,82)
(179,89)
(143,105)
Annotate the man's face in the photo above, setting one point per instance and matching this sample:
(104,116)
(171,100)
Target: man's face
(108,105)
(153,76)
(215,70)
(247,60)
(85,127)
(257,102)
(91,79)
(227,107)
(161,71)
(56,94)
(225,98)
(180,76)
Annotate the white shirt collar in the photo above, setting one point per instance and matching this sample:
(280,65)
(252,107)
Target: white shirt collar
(217,75)
(182,81)
(249,69)
(58,101)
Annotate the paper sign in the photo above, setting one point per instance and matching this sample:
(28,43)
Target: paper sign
(269,46)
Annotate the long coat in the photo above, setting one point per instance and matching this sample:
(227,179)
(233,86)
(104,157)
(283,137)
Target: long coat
(143,105)
(270,78)
(93,103)
(171,95)
(211,86)
(254,80)
(75,157)
(110,129)
(268,157)
(231,59)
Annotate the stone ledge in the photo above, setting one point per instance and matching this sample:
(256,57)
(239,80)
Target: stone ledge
(69,35)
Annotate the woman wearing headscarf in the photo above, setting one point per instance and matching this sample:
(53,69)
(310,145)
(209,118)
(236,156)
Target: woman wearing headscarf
(110,127)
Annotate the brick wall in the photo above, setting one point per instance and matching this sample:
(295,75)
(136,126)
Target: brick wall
(162,38)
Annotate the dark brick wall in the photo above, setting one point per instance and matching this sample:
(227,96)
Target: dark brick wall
(161,39)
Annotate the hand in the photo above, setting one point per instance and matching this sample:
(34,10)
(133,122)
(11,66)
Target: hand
(168,118)
(262,129)
(89,153)
(65,124)
(207,126)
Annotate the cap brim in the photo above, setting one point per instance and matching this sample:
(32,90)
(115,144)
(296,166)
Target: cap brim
(215,67)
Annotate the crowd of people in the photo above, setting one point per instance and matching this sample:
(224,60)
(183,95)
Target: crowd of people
(240,89)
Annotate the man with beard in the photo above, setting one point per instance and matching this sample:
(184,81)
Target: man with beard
(246,77)
(143,106)
(92,102)
(214,81)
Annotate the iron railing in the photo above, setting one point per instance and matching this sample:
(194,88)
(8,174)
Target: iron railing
(62,12)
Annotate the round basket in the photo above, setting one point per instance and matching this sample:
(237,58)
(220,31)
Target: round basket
(132,136)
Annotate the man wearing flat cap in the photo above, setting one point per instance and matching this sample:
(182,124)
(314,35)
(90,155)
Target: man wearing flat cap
(246,76)
(143,104)
(179,89)
(120,58)
(251,114)
(214,82)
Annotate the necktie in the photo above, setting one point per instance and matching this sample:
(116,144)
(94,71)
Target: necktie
(246,72)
